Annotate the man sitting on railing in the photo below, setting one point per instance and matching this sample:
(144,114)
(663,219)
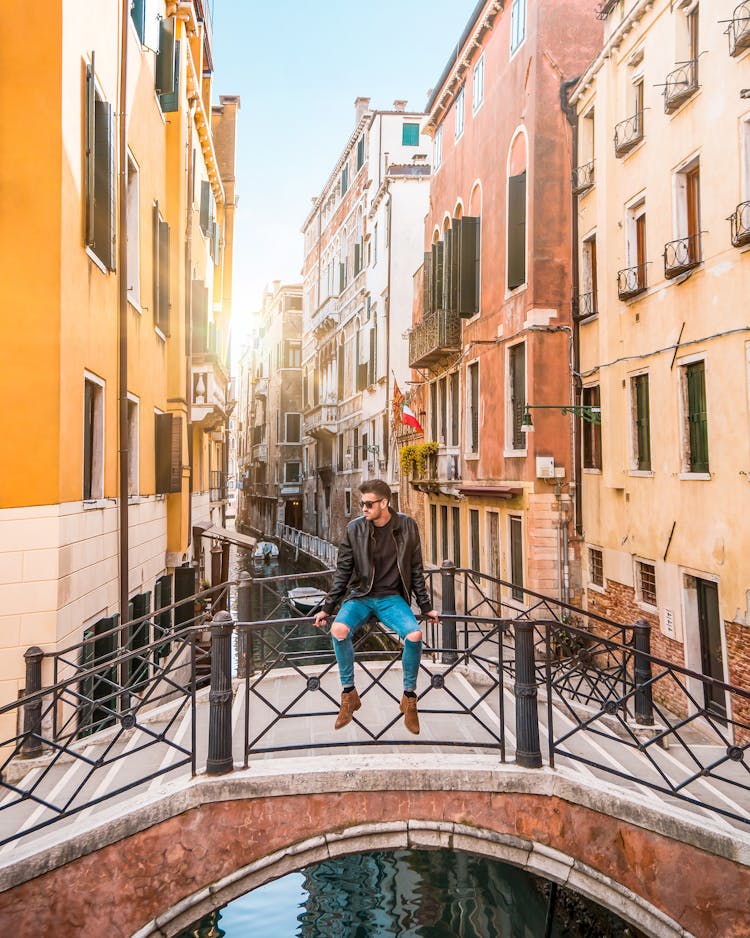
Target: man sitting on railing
(379,567)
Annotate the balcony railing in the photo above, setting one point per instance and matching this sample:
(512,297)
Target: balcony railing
(583,178)
(218,486)
(437,334)
(628,133)
(680,84)
(587,306)
(631,281)
(322,419)
(738,29)
(739,221)
(326,317)
(682,255)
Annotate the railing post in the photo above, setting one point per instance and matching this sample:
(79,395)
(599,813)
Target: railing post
(448,589)
(528,751)
(32,711)
(244,636)
(220,759)
(644,705)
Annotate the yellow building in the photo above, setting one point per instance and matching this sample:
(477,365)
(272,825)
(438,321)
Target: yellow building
(104,298)
(663,183)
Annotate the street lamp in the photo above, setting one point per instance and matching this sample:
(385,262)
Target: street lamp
(591,413)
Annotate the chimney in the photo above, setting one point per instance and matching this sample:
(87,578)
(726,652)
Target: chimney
(360,106)
(400,106)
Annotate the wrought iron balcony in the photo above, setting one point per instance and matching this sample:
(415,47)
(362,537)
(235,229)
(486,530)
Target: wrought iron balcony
(628,133)
(326,317)
(583,178)
(738,29)
(438,334)
(321,420)
(680,84)
(739,221)
(587,306)
(631,281)
(682,255)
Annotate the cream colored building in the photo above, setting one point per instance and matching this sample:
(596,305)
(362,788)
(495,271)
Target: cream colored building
(663,229)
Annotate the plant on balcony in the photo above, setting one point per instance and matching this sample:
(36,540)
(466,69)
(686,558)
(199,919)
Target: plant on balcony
(414,458)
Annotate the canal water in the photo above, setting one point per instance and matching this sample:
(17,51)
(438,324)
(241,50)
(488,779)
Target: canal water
(411,894)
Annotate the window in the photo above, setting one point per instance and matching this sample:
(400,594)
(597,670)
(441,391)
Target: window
(474,539)
(100,169)
(166,57)
(639,393)
(410,135)
(696,432)
(355,447)
(161,271)
(433,533)
(347,502)
(360,153)
(293,471)
(477,91)
(145,16)
(473,408)
(517,230)
(443,410)
(133,226)
(456,518)
(93,439)
(455,397)
(592,432)
(444,531)
(437,148)
(292,354)
(344,180)
(133,441)
(168,453)
(587,302)
(375,244)
(434,412)
(633,279)
(596,567)
(645,582)
(685,252)
(516,395)
(458,109)
(517,24)
(516,557)
(293,428)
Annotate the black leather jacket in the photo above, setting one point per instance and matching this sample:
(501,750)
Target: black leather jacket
(355,572)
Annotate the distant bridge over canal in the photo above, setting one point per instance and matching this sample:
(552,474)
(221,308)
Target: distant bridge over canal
(151,776)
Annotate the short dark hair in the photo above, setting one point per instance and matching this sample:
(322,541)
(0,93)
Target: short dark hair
(376,487)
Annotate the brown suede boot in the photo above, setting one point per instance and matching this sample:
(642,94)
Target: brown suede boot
(349,703)
(408,707)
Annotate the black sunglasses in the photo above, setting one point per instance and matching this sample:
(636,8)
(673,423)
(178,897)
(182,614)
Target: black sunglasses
(370,504)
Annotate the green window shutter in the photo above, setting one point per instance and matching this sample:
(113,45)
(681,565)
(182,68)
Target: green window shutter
(344,180)
(427,306)
(697,417)
(466,248)
(215,242)
(474,537)
(205,205)
(642,422)
(90,143)
(163,286)
(357,258)
(156,257)
(360,153)
(170,101)
(410,135)
(456,515)
(516,231)
(437,275)
(448,272)
(517,361)
(165,58)
(474,391)
(138,15)
(516,558)
(104,190)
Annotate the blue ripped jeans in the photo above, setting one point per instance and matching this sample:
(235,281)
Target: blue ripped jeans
(395,613)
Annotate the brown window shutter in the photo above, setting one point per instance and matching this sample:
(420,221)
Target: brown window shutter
(466,246)
(516,230)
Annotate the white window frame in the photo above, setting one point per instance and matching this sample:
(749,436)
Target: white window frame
(745,158)
(437,148)
(509,448)
(459,113)
(679,197)
(134,233)
(591,583)
(477,91)
(633,210)
(97,449)
(639,562)
(468,452)
(685,473)
(348,502)
(134,440)
(287,480)
(633,412)
(517,25)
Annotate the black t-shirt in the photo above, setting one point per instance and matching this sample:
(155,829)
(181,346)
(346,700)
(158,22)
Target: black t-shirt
(387,579)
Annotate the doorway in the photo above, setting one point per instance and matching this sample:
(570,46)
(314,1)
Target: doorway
(711,651)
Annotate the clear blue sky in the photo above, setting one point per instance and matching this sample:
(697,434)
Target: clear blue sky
(298,65)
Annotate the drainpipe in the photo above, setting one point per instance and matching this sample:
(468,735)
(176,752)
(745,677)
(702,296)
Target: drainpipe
(575,382)
(122,283)
(189,312)
(388,324)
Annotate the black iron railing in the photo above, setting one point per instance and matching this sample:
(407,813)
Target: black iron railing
(628,134)
(583,178)
(587,305)
(682,255)
(739,222)
(738,29)
(498,651)
(680,84)
(631,281)
(438,334)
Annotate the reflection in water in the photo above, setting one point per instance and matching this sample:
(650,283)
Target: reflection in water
(432,894)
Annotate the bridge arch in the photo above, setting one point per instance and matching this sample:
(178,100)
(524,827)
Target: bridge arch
(193,848)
